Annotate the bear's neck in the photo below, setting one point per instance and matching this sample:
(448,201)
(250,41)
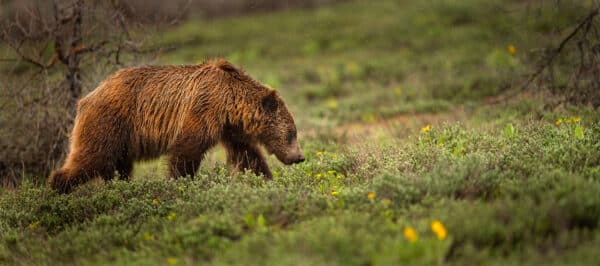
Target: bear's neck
(242,112)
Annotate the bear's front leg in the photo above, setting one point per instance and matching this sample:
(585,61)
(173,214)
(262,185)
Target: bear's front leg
(245,156)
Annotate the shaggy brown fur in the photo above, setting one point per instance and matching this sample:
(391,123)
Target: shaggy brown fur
(143,112)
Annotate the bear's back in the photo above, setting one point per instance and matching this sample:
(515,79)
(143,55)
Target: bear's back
(151,100)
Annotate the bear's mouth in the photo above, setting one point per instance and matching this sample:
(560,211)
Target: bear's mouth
(294,159)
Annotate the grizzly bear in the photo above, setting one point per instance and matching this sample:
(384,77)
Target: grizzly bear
(143,112)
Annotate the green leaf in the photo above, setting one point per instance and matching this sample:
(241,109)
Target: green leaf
(509,131)
(341,203)
(578,132)
(261,222)
(249,220)
(459,149)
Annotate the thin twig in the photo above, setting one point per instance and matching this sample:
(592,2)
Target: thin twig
(560,47)
(549,59)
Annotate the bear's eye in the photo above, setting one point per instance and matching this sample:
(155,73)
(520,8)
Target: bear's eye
(291,136)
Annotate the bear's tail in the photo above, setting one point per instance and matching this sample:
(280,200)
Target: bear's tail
(61,181)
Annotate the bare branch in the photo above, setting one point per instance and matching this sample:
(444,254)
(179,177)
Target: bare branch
(24,57)
(586,21)
(584,25)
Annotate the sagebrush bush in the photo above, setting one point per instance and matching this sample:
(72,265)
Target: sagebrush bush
(323,206)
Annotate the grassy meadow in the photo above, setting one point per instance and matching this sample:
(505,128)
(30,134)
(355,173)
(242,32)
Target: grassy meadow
(408,162)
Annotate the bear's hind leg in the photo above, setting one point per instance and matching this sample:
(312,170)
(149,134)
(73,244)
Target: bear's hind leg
(245,156)
(65,180)
(84,165)
(61,181)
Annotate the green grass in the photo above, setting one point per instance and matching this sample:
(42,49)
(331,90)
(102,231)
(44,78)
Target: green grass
(510,185)
(528,195)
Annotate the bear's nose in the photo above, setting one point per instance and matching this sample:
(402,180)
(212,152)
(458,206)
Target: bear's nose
(300,159)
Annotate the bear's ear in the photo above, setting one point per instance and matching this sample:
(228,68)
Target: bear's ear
(269,102)
(227,67)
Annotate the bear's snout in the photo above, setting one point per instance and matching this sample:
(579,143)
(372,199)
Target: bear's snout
(294,155)
(293,159)
(299,159)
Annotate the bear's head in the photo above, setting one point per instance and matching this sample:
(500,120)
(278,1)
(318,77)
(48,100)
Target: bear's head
(263,115)
(279,130)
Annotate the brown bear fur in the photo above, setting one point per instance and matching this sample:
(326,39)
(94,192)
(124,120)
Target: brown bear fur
(143,112)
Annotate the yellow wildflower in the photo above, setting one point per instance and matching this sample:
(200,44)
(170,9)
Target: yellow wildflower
(386,202)
(426,128)
(34,225)
(576,119)
(558,122)
(332,104)
(318,175)
(172,261)
(331,172)
(333,193)
(410,234)
(398,90)
(171,216)
(371,195)
(512,50)
(438,228)
(368,118)
(148,236)
(320,153)
(353,68)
